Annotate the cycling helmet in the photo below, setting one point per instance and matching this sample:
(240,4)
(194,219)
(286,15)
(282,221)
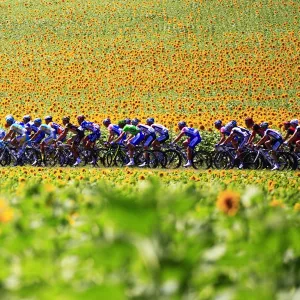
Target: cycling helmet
(150,121)
(38,121)
(106,122)
(80,118)
(294,122)
(135,121)
(233,123)
(10,120)
(286,124)
(48,118)
(218,123)
(66,119)
(181,124)
(127,121)
(264,125)
(122,123)
(26,119)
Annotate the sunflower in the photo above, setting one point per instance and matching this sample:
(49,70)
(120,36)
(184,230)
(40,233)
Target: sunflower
(228,202)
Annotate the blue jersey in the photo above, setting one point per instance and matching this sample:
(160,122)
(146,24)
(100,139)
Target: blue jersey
(190,132)
(91,126)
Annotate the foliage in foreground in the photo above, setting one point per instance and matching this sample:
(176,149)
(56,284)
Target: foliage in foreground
(141,238)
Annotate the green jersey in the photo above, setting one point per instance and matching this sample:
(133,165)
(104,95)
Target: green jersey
(131,129)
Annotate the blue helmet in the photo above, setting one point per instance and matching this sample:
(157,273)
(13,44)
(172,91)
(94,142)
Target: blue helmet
(38,121)
(26,119)
(218,123)
(264,125)
(106,122)
(150,120)
(135,121)
(127,121)
(10,120)
(181,124)
(48,118)
(233,123)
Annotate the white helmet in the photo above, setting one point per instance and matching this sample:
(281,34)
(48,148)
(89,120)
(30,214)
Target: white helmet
(294,122)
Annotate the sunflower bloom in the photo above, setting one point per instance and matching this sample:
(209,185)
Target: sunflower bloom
(228,202)
(6,213)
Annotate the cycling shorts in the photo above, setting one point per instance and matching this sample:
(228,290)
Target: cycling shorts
(137,139)
(149,139)
(163,138)
(193,142)
(48,140)
(94,136)
(276,144)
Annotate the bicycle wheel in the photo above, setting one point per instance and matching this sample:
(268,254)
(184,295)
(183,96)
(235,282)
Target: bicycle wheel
(174,159)
(200,161)
(30,156)
(222,160)
(146,158)
(5,158)
(251,161)
(292,160)
(121,159)
(161,157)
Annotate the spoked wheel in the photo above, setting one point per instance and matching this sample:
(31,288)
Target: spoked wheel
(146,159)
(251,161)
(121,159)
(222,160)
(200,161)
(5,158)
(174,159)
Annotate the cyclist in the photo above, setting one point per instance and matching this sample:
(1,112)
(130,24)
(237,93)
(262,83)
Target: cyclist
(149,137)
(58,128)
(193,140)
(134,137)
(272,139)
(35,128)
(295,139)
(94,128)
(224,131)
(256,130)
(51,136)
(113,130)
(18,135)
(75,140)
(161,130)
(242,136)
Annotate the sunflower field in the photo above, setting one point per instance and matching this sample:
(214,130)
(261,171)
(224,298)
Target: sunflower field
(110,233)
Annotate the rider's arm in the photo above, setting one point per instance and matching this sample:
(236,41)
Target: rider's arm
(35,135)
(292,138)
(120,137)
(252,136)
(262,140)
(229,139)
(8,135)
(223,138)
(63,135)
(111,136)
(178,137)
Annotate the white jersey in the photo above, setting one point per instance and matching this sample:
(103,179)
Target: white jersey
(146,129)
(19,129)
(241,132)
(160,129)
(273,134)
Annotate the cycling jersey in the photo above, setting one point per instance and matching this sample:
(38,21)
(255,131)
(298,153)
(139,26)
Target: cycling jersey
(2,134)
(190,132)
(131,129)
(298,129)
(225,130)
(115,129)
(47,129)
(58,128)
(273,134)
(19,129)
(241,132)
(146,129)
(91,126)
(160,129)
